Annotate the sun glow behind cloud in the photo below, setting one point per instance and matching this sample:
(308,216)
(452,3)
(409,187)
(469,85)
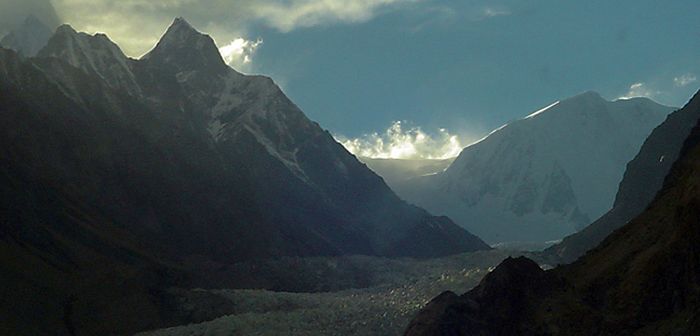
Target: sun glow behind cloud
(399,143)
(239,53)
(136,24)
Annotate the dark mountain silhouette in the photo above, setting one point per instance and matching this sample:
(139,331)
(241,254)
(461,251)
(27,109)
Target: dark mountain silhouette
(120,177)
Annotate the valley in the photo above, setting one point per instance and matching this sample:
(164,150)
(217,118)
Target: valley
(167,177)
(395,291)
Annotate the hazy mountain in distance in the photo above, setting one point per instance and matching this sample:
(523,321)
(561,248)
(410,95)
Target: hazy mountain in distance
(398,171)
(123,177)
(28,38)
(545,176)
(641,280)
(642,180)
(14,12)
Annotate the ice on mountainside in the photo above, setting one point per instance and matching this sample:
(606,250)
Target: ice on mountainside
(544,176)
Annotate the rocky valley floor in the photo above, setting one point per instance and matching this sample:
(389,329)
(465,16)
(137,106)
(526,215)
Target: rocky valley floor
(396,290)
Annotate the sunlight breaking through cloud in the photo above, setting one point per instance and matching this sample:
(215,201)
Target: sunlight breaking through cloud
(399,143)
(239,53)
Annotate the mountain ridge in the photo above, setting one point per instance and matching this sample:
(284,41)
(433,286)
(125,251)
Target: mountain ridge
(550,172)
(136,173)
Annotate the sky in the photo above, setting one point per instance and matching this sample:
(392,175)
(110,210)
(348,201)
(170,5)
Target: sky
(446,72)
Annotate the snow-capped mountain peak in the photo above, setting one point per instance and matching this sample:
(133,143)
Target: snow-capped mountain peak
(586,98)
(183,48)
(542,110)
(543,176)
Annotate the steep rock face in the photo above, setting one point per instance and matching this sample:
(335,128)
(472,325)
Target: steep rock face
(642,180)
(94,54)
(28,38)
(643,279)
(542,177)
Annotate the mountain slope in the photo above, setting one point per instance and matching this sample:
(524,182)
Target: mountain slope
(305,193)
(642,280)
(544,176)
(642,180)
(65,264)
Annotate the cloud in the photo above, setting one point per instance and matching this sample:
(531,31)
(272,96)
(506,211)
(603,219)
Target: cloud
(239,53)
(288,15)
(399,143)
(136,25)
(684,80)
(639,90)
(490,12)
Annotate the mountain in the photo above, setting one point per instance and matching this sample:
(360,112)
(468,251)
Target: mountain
(122,177)
(545,176)
(95,54)
(642,180)
(12,14)
(67,267)
(28,38)
(395,172)
(642,280)
(258,154)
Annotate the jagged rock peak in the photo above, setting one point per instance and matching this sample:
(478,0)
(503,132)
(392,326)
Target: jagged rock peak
(183,48)
(65,29)
(78,47)
(178,32)
(180,21)
(95,54)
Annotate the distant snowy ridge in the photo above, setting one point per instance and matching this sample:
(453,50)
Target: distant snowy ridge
(544,176)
